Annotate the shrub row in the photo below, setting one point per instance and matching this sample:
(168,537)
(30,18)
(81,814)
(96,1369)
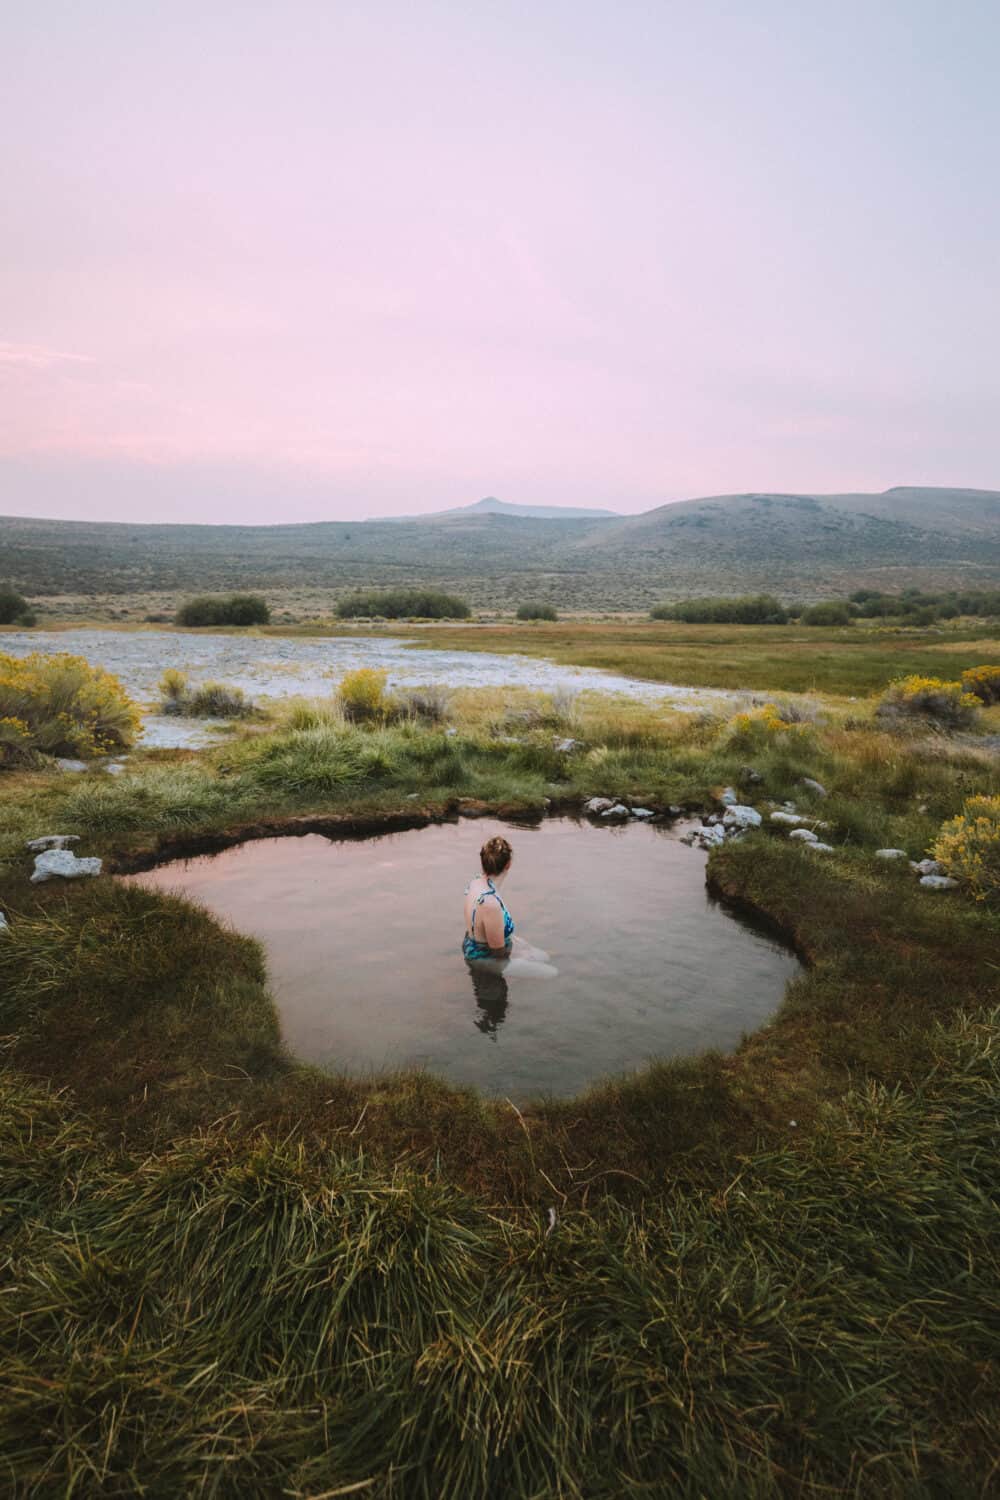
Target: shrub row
(234,609)
(747,609)
(536,612)
(399,604)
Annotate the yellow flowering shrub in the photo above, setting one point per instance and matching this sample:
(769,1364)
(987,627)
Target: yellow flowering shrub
(15,740)
(969,847)
(928,698)
(763,726)
(362,694)
(61,705)
(983,683)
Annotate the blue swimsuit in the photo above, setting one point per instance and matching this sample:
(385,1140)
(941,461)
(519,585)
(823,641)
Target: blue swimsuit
(471,946)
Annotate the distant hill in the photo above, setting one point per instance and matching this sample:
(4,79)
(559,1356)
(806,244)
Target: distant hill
(799,546)
(493,507)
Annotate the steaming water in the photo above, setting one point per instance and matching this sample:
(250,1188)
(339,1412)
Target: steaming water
(363,947)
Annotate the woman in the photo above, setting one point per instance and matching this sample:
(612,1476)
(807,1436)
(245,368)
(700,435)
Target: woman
(489,927)
(494,934)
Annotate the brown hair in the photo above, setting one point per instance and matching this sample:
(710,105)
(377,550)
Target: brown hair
(495,855)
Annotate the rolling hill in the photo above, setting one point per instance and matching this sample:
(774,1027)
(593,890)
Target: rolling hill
(801,546)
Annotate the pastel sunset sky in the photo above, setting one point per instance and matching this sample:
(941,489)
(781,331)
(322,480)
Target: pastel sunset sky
(319,260)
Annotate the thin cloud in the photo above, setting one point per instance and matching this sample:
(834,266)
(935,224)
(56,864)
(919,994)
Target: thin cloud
(35,357)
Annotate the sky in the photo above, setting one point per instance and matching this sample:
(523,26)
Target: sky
(326,260)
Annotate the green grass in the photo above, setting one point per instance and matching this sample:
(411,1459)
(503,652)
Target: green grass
(226,1274)
(249,1318)
(857,660)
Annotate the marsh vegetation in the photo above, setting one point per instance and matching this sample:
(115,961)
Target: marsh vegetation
(769,1271)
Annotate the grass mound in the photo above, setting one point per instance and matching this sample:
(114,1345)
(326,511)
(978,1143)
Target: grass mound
(242,1317)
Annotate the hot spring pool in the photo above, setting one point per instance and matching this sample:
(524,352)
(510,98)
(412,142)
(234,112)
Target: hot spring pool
(363,940)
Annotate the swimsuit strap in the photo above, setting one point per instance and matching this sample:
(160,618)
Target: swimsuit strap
(490,890)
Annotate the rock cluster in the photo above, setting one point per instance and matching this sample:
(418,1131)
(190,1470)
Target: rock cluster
(608,807)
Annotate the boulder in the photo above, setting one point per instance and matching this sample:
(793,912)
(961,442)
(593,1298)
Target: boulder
(705,838)
(816,787)
(747,773)
(115,767)
(938,883)
(788,819)
(618,810)
(741,817)
(820,848)
(65,763)
(567,746)
(598,805)
(642,812)
(803,835)
(729,796)
(4,924)
(52,841)
(890,853)
(64,863)
(926,867)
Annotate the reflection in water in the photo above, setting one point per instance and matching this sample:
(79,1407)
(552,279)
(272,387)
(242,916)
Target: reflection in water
(362,940)
(490,989)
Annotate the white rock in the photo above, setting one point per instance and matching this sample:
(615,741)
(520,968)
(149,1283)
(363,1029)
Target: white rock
(890,853)
(52,841)
(741,817)
(787,818)
(4,924)
(63,863)
(820,848)
(803,835)
(450,733)
(706,838)
(816,787)
(565,747)
(619,810)
(926,867)
(938,883)
(66,764)
(115,767)
(643,812)
(599,804)
(729,796)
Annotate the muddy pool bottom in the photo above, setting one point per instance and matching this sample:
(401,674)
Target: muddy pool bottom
(363,940)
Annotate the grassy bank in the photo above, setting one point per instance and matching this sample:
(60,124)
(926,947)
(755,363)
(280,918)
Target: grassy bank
(771,1273)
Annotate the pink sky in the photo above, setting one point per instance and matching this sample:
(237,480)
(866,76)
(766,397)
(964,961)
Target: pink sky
(330,260)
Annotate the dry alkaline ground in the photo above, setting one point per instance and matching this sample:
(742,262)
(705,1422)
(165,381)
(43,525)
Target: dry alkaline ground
(770,1273)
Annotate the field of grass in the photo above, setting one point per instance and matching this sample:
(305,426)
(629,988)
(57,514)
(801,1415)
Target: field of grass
(856,660)
(770,1273)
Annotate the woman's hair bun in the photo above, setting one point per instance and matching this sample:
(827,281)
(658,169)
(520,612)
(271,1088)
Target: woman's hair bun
(495,855)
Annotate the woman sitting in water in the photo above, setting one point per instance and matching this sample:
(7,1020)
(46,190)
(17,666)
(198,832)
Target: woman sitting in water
(489,926)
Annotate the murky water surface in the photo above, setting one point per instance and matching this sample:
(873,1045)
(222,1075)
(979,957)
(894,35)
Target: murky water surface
(282,667)
(363,946)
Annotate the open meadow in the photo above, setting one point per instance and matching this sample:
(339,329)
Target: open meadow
(770,1271)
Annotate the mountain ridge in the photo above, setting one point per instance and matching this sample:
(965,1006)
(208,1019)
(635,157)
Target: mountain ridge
(800,546)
